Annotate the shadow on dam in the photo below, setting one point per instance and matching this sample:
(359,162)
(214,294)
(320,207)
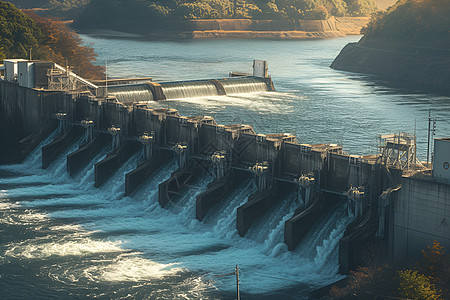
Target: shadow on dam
(216,190)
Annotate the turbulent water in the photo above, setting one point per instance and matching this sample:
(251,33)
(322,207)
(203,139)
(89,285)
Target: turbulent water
(61,237)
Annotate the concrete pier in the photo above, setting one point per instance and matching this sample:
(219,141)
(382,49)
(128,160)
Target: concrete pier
(217,191)
(105,168)
(305,217)
(79,159)
(51,151)
(144,170)
(259,203)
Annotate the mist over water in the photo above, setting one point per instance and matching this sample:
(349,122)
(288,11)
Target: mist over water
(61,237)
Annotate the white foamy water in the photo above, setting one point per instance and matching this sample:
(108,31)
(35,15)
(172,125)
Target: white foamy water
(38,250)
(64,234)
(167,243)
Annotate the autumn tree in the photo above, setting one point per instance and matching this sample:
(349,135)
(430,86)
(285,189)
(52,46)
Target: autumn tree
(64,46)
(413,285)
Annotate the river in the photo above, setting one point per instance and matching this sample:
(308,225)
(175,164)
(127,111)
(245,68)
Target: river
(63,238)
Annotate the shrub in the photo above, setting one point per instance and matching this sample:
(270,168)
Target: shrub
(413,285)
(317,13)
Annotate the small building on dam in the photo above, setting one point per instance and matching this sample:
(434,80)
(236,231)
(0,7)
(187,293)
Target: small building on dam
(392,196)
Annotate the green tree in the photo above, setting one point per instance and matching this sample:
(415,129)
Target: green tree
(2,54)
(18,32)
(358,8)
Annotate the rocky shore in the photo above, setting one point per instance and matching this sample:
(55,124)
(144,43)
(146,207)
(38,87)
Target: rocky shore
(420,67)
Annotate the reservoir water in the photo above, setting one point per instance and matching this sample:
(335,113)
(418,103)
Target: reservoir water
(62,238)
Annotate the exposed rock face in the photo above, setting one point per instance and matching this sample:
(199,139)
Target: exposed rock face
(418,66)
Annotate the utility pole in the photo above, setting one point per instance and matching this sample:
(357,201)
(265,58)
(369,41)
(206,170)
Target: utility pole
(433,129)
(429,130)
(236,273)
(237,282)
(106,78)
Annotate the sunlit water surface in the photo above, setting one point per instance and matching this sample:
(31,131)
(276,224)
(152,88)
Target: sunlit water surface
(61,237)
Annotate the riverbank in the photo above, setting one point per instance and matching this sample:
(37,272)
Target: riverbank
(420,67)
(242,29)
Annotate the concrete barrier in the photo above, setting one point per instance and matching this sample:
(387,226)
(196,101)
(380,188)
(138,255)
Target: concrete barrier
(157,91)
(51,151)
(144,170)
(79,159)
(354,237)
(304,218)
(219,87)
(111,163)
(217,191)
(259,203)
(9,147)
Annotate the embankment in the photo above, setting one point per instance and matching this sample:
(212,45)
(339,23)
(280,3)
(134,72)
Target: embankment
(411,65)
(253,29)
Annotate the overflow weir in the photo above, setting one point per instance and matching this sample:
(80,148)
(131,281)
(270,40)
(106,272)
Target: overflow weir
(321,175)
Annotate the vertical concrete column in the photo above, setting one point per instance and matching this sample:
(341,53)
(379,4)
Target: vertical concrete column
(88,125)
(147,144)
(218,160)
(116,133)
(260,170)
(62,122)
(307,183)
(306,157)
(354,170)
(356,197)
(181,151)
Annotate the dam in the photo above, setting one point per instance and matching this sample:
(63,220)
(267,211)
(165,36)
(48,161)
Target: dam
(319,176)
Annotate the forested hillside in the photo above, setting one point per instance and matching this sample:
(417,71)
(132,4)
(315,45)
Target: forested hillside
(23,34)
(423,23)
(212,9)
(410,43)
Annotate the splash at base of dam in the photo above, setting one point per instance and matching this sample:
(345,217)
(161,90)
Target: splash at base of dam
(219,158)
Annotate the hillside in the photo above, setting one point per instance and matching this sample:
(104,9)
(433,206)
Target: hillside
(384,4)
(410,43)
(146,15)
(24,34)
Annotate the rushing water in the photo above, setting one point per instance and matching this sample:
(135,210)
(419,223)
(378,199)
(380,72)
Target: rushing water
(61,237)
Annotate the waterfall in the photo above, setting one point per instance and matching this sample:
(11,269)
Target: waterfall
(131,92)
(138,240)
(243,85)
(189,89)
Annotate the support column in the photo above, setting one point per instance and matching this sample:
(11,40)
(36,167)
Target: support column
(115,132)
(181,151)
(260,171)
(218,160)
(89,147)
(356,204)
(147,144)
(62,122)
(89,134)
(307,183)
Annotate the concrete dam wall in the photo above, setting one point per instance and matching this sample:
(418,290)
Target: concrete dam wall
(268,29)
(318,177)
(152,91)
